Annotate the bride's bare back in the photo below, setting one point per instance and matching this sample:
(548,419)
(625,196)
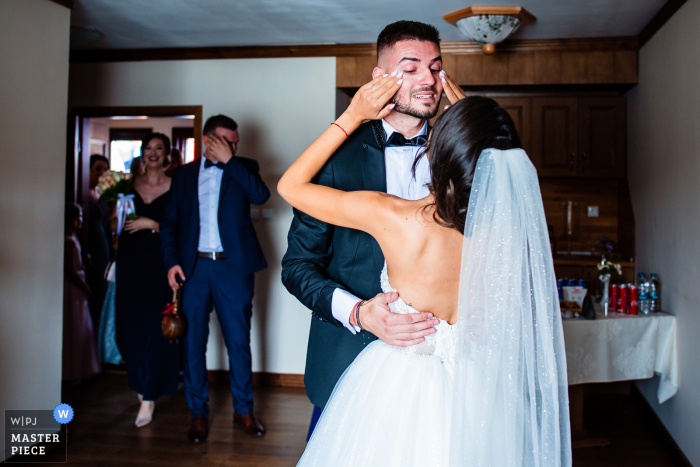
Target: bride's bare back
(423,258)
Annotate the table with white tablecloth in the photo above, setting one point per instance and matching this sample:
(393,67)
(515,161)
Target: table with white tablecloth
(618,347)
(622,347)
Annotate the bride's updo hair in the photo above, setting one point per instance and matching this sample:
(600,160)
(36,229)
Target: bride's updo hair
(461,133)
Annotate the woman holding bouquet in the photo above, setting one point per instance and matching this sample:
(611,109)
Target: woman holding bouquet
(142,291)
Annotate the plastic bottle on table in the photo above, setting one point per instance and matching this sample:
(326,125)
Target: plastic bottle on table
(654,289)
(641,277)
(644,302)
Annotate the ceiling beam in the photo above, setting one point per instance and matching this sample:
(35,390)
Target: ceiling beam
(657,22)
(586,44)
(66,3)
(345,50)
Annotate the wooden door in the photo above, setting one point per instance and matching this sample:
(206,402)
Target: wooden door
(520,110)
(554,134)
(601,137)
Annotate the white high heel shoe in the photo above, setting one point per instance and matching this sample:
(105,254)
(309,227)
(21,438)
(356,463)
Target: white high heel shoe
(145,414)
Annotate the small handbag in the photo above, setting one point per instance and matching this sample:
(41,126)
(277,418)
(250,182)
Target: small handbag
(174,324)
(588,310)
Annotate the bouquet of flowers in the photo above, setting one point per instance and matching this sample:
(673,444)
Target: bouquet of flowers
(113,183)
(116,186)
(605,267)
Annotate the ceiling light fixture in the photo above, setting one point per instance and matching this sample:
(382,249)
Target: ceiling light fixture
(489,25)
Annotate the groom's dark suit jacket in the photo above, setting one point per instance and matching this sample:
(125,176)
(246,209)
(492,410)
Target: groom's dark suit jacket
(241,186)
(322,257)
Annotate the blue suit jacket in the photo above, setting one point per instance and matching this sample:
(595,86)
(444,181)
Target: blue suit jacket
(241,186)
(321,257)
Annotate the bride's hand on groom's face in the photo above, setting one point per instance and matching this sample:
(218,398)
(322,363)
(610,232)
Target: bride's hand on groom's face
(370,101)
(393,328)
(452,90)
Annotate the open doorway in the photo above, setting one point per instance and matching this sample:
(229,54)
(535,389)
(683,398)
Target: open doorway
(114,135)
(119,138)
(116,132)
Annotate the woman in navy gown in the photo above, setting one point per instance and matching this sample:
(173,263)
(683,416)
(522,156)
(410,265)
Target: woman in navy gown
(142,290)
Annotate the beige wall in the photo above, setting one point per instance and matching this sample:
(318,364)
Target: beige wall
(281,106)
(33,98)
(664,173)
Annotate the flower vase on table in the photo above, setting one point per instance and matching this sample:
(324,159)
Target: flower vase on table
(606,269)
(605,301)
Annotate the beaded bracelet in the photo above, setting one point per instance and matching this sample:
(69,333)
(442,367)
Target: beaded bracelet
(357,313)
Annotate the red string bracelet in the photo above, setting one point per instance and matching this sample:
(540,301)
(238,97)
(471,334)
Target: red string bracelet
(354,310)
(341,129)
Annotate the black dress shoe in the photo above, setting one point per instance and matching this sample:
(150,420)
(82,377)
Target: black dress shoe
(199,429)
(250,425)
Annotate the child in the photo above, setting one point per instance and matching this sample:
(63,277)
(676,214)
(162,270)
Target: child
(79,353)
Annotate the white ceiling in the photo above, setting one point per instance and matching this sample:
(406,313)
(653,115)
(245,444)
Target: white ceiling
(126,24)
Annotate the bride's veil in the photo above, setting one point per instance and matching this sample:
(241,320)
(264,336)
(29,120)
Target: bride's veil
(510,402)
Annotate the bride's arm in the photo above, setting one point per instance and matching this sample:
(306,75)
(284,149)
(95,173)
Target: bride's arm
(357,209)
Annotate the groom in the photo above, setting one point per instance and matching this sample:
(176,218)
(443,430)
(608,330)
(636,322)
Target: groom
(331,269)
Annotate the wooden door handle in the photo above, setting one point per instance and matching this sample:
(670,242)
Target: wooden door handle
(572,161)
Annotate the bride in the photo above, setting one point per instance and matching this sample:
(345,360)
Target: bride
(488,388)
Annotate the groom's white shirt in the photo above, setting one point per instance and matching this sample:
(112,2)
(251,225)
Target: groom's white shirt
(399,182)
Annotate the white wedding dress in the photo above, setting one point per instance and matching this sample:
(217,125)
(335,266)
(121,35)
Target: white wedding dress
(391,407)
(488,391)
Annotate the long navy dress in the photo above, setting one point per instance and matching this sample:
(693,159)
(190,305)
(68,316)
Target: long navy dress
(142,293)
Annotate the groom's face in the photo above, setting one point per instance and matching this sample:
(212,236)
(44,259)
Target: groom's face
(420,63)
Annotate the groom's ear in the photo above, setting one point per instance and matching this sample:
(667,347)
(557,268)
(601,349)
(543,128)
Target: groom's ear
(377,72)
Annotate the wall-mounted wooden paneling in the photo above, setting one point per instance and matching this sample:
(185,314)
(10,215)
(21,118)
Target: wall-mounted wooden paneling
(544,68)
(574,67)
(626,66)
(352,70)
(601,137)
(554,133)
(586,231)
(346,50)
(520,110)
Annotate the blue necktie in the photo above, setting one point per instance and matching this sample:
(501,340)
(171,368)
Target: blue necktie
(397,139)
(208,163)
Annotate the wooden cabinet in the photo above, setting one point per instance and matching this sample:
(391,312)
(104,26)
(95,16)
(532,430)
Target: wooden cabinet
(578,137)
(601,138)
(554,134)
(520,110)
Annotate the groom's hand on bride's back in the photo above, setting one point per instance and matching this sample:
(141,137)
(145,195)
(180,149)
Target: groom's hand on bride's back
(393,328)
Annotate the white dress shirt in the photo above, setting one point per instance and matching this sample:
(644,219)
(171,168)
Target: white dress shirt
(209,188)
(399,182)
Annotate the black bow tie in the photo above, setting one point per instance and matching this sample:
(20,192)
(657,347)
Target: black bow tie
(208,163)
(397,139)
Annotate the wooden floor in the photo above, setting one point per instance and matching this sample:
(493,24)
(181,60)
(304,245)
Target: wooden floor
(103,432)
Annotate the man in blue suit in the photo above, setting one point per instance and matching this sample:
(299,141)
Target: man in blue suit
(209,244)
